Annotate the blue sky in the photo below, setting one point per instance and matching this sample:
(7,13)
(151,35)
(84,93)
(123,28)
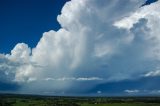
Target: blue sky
(55,47)
(25,21)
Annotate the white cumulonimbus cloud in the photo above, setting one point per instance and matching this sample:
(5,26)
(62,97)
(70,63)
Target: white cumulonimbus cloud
(98,41)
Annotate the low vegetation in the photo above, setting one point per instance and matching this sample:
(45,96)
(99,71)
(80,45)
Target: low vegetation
(30,100)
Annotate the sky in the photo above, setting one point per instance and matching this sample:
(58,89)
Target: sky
(25,21)
(80,47)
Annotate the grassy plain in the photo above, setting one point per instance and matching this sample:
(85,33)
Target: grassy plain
(31,100)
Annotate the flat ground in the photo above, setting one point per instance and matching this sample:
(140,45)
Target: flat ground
(122,104)
(30,100)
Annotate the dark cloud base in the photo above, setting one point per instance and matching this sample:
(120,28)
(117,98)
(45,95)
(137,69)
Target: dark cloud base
(9,86)
(147,85)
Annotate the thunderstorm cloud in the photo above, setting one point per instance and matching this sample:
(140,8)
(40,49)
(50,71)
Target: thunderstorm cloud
(99,41)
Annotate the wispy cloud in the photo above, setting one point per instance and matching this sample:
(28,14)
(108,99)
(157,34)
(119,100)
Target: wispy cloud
(131,91)
(143,92)
(74,79)
(152,73)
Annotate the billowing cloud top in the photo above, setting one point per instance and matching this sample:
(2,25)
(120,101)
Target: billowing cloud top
(99,41)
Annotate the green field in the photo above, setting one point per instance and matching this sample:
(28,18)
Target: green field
(30,100)
(122,104)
